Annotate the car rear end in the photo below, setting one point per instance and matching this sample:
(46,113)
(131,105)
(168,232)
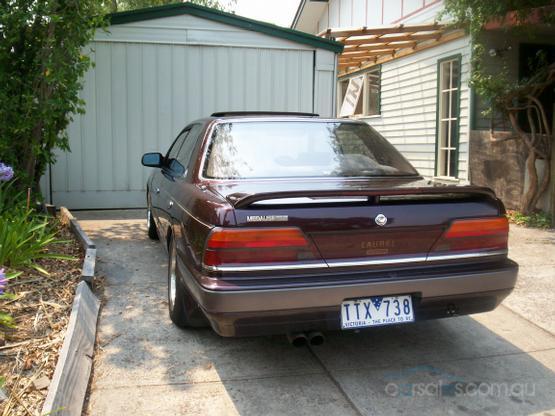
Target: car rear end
(347,239)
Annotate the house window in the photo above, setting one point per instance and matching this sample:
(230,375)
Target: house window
(448,116)
(363,101)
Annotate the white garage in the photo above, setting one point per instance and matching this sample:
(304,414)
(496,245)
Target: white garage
(158,69)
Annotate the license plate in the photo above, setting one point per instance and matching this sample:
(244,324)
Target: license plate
(376,311)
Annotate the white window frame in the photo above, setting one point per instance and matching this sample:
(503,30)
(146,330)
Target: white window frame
(363,95)
(447,145)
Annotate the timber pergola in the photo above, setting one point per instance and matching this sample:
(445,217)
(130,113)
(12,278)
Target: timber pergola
(369,46)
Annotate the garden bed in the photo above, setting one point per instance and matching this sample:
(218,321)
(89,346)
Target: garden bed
(40,309)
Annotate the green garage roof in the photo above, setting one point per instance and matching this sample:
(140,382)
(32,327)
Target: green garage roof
(223,17)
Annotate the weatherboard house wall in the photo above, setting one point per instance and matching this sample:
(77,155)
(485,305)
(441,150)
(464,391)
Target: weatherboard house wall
(158,69)
(408,105)
(409,85)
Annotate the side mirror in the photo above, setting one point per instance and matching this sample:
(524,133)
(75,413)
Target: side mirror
(152,160)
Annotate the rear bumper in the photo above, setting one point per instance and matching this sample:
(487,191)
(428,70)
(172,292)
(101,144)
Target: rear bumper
(272,311)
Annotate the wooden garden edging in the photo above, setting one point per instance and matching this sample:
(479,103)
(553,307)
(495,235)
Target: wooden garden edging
(66,394)
(87,274)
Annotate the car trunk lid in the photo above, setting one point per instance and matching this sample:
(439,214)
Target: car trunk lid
(365,222)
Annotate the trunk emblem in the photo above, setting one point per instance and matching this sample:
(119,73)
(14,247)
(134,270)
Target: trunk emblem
(381,220)
(272,218)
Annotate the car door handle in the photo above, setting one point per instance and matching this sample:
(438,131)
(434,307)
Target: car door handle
(170,204)
(157,190)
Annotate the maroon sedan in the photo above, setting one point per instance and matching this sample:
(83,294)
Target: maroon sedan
(295,224)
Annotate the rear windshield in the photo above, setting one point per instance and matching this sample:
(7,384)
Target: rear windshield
(278,149)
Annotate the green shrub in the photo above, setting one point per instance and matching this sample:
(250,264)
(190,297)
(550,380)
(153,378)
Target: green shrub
(10,198)
(534,220)
(24,234)
(24,238)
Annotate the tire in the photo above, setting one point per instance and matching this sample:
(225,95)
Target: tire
(183,309)
(151,225)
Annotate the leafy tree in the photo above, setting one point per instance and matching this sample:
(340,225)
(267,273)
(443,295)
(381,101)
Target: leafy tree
(41,67)
(119,5)
(517,101)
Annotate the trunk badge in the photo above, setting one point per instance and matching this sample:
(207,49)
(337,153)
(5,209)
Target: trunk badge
(381,220)
(264,218)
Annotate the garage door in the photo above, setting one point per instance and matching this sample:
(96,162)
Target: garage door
(139,96)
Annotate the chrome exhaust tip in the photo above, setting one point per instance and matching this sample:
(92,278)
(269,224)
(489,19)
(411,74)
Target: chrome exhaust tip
(316,338)
(297,339)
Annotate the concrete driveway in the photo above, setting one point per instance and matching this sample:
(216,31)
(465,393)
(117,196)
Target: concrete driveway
(499,363)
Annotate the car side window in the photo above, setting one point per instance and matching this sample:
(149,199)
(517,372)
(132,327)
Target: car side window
(184,155)
(176,146)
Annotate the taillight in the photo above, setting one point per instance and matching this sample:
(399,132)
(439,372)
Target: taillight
(474,234)
(251,246)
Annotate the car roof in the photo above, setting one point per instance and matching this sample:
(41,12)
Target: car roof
(262,114)
(271,116)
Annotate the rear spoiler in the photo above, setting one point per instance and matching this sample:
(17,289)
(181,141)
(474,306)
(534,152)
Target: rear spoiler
(241,200)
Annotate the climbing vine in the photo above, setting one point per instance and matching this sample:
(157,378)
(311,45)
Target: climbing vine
(517,102)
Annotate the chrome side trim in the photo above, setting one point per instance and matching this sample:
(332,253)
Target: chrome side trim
(379,262)
(440,257)
(320,265)
(355,263)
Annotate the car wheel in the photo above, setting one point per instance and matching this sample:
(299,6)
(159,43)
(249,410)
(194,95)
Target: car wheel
(184,311)
(152,232)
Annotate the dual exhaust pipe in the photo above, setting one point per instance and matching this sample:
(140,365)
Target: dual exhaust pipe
(300,339)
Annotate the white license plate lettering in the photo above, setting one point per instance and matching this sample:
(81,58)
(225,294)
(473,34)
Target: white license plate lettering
(376,311)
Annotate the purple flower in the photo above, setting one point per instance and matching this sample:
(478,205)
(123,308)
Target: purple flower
(6,172)
(3,281)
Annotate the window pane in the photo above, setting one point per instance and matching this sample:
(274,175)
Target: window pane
(443,134)
(184,154)
(360,103)
(445,75)
(373,96)
(443,165)
(344,86)
(455,74)
(176,146)
(454,104)
(444,105)
(373,101)
(452,133)
(269,149)
(452,162)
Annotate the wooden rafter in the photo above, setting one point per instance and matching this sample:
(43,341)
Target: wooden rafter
(394,46)
(362,52)
(409,37)
(382,30)
(369,46)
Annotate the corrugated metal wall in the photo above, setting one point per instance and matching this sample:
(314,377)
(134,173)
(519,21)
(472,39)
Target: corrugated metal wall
(141,94)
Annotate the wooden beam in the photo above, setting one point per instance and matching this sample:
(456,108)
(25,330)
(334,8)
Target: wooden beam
(336,33)
(368,53)
(377,40)
(355,63)
(366,57)
(380,47)
(346,67)
(448,37)
(399,43)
